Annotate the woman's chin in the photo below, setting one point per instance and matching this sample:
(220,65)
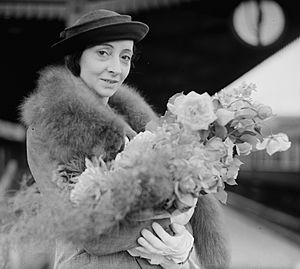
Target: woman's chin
(106,92)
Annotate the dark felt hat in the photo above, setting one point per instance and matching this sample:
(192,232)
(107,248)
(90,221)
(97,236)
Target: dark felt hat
(97,27)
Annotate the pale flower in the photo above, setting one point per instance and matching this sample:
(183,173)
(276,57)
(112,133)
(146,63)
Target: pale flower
(246,113)
(224,116)
(274,143)
(141,138)
(187,185)
(207,174)
(194,110)
(134,149)
(216,149)
(90,184)
(238,105)
(232,171)
(236,98)
(245,90)
(243,148)
(227,96)
(229,146)
(250,139)
(264,111)
(243,125)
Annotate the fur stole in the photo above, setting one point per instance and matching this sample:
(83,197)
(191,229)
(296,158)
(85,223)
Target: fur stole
(72,124)
(72,121)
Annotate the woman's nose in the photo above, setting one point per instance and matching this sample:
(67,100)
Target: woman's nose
(114,65)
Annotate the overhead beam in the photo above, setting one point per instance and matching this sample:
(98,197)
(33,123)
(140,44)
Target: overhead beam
(68,10)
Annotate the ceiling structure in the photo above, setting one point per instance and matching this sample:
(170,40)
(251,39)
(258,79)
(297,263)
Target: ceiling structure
(62,9)
(191,45)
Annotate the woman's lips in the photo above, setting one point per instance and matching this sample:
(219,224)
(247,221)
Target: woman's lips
(109,81)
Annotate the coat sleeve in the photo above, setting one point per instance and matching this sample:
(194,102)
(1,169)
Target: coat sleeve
(120,238)
(210,237)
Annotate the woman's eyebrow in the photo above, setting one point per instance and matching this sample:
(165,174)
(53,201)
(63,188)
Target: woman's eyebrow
(109,45)
(127,50)
(106,44)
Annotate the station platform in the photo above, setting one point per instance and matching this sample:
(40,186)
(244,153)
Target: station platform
(257,243)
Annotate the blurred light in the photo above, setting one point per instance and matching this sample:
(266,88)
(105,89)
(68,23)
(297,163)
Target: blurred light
(12,131)
(259,23)
(277,80)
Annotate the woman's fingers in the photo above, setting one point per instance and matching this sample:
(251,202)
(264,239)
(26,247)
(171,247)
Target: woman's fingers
(153,240)
(142,250)
(178,229)
(148,247)
(161,233)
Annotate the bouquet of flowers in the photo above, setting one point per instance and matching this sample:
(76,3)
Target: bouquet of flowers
(193,150)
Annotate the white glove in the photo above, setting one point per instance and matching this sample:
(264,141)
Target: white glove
(164,248)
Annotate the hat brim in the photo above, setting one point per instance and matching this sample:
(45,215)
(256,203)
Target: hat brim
(135,31)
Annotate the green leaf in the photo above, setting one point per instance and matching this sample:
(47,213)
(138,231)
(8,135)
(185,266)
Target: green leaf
(231,181)
(257,129)
(220,131)
(248,132)
(204,134)
(221,195)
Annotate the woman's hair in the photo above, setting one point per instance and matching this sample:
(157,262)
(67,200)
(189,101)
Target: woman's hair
(72,60)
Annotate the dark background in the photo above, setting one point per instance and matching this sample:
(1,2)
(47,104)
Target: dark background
(190,46)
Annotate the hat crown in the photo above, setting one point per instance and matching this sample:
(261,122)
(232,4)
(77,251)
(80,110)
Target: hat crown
(94,19)
(99,26)
(95,15)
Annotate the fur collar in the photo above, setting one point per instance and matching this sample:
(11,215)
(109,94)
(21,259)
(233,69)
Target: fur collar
(57,84)
(70,116)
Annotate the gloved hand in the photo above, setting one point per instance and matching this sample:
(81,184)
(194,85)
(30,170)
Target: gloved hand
(163,248)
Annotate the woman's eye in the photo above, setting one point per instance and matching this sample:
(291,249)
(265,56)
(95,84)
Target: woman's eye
(126,58)
(103,52)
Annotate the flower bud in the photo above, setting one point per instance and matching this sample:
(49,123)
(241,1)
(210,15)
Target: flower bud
(264,112)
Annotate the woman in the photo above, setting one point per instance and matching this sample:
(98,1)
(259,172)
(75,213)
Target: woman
(84,109)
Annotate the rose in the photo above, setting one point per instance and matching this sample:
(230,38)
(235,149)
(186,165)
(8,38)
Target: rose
(193,110)
(274,143)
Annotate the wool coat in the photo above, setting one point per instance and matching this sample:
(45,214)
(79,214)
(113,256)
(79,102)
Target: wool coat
(66,122)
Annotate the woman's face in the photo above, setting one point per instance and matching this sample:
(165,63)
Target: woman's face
(104,67)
